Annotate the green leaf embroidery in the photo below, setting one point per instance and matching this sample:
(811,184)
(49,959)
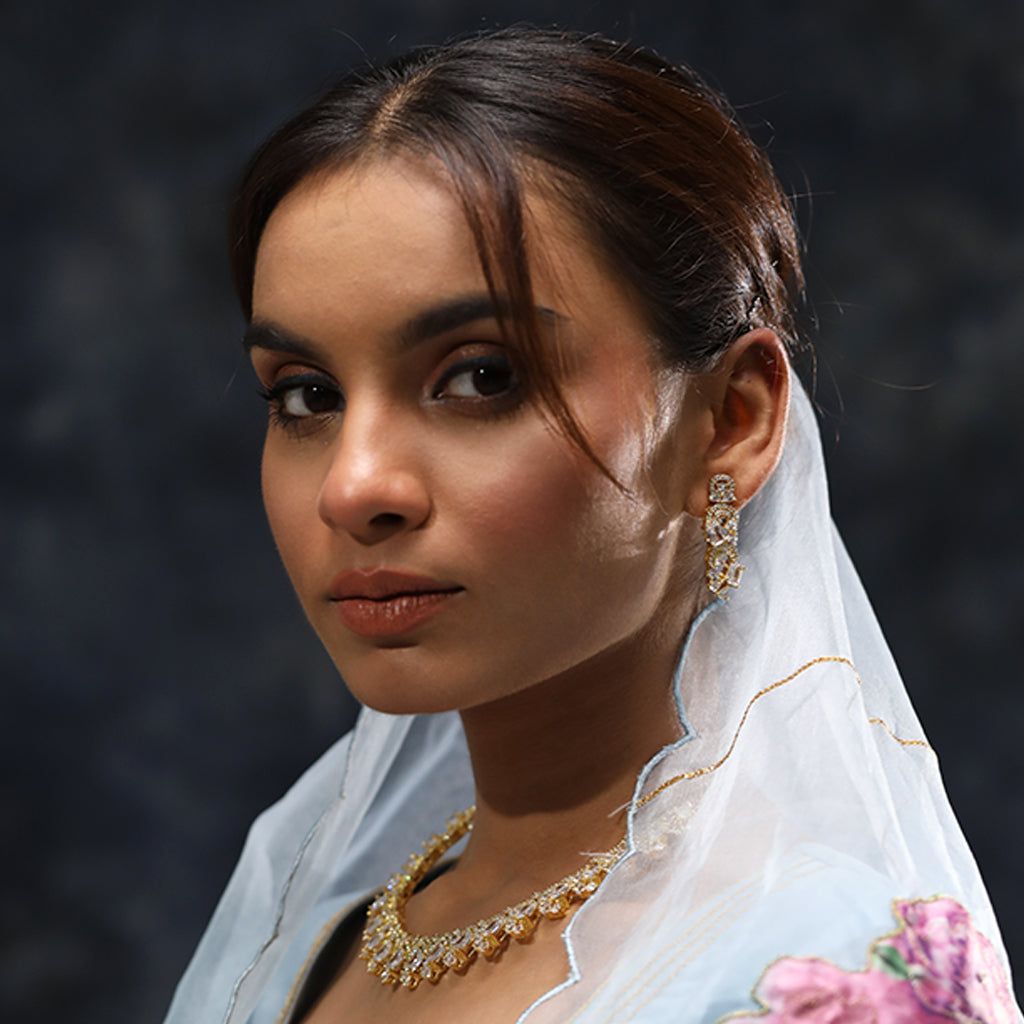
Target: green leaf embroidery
(889,960)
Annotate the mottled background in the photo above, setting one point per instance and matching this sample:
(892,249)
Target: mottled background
(160,684)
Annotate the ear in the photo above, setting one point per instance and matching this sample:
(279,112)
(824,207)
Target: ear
(746,401)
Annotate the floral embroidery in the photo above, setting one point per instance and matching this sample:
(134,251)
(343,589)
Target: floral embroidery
(934,967)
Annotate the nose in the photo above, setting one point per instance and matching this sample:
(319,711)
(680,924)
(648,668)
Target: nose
(374,488)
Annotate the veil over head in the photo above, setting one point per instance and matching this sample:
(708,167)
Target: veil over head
(801,802)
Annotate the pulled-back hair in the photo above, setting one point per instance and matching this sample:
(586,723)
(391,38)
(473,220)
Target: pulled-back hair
(654,166)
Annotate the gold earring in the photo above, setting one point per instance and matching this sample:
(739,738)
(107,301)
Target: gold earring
(721,531)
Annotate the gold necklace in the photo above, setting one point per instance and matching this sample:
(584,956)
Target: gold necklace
(398,958)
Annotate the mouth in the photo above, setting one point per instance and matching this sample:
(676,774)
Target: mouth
(387,603)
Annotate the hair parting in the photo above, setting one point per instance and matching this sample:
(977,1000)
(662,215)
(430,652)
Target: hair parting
(651,164)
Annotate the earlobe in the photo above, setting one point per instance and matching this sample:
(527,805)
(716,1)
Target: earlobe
(748,396)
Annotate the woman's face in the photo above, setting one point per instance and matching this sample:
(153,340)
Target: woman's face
(449,546)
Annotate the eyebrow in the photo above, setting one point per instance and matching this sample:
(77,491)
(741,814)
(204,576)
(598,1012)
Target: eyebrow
(458,313)
(275,338)
(446,317)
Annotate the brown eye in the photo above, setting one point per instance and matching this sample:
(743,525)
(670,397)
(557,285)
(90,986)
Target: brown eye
(310,400)
(485,377)
(303,397)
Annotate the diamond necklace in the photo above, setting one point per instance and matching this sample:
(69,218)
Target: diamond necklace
(398,958)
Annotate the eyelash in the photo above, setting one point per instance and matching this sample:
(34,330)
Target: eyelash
(499,403)
(303,424)
(508,398)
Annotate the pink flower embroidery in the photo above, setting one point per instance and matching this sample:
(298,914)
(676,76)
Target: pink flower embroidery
(935,968)
(954,970)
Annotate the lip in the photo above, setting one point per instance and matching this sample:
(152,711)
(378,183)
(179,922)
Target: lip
(387,602)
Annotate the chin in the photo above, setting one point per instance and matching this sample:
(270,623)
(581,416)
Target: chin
(386,680)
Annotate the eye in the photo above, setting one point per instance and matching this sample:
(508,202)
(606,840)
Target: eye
(478,379)
(309,400)
(303,397)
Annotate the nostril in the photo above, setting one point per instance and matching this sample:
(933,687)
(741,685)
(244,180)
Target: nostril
(390,519)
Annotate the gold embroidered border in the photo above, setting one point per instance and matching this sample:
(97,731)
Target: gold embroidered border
(707,769)
(899,739)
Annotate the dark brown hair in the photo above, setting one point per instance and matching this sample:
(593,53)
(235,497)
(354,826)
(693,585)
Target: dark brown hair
(653,164)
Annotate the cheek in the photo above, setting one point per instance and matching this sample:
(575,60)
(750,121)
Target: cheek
(523,499)
(548,520)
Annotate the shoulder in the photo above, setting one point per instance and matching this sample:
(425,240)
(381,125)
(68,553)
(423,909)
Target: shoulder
(818,938)
(250,904)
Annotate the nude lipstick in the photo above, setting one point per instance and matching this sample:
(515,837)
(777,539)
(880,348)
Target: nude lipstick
(387,603)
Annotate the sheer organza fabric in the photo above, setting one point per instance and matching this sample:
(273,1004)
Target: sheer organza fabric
(805,802)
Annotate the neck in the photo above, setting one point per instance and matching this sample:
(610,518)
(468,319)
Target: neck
(555,765)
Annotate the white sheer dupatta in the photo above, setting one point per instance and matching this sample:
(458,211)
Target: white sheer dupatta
(805,799)
(801,802)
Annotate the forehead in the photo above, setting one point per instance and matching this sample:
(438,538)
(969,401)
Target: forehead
(397,209)
(374,242)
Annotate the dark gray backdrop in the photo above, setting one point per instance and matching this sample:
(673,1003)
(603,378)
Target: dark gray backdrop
(160,684)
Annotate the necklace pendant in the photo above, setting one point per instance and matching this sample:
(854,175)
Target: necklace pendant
(454,959)
(409,979)
(521,925)
(487,941)
(555,904)
(432,968)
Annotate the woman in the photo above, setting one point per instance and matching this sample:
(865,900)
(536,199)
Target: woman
(522,308)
